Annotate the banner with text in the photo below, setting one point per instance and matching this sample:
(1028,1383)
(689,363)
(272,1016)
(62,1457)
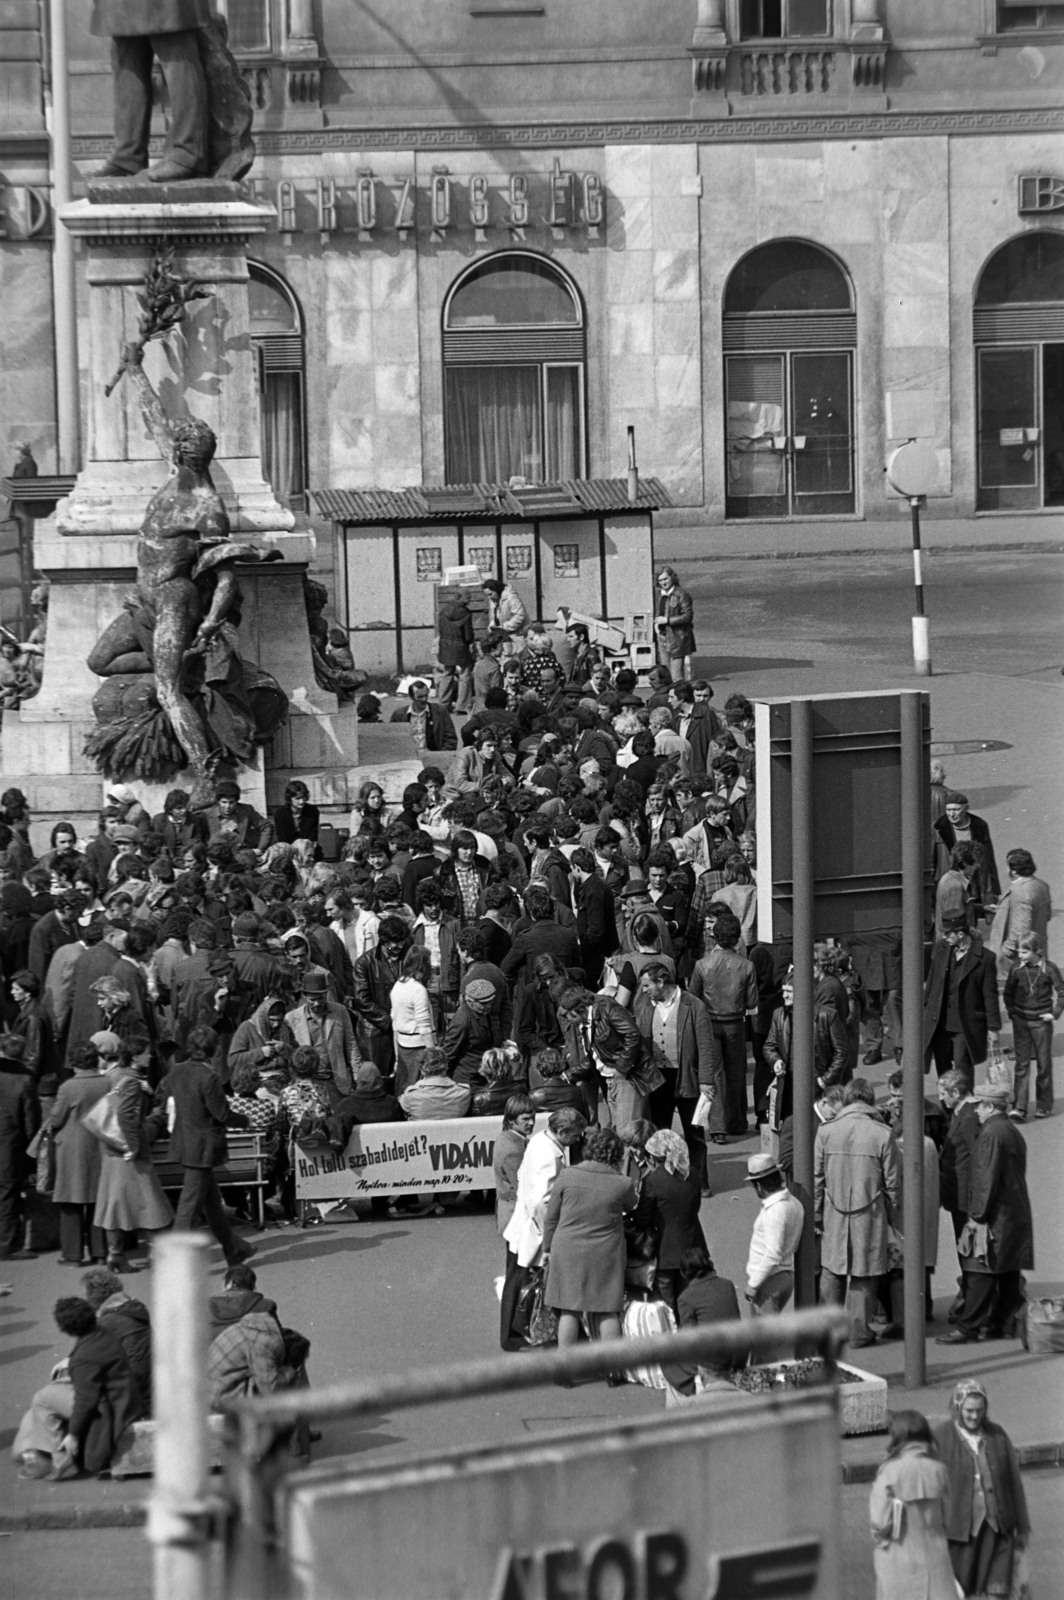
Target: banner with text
(403,1158)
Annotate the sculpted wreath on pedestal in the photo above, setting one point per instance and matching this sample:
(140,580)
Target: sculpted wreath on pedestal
(177,693)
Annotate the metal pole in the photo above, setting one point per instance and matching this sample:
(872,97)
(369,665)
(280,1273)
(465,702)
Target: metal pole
(633,470)
(180,1518)
(921,629)
(64,291)
(803,1065)
(914,793)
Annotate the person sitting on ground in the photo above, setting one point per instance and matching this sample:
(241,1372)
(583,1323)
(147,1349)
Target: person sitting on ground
(128,1319)
(240,1297)
(435,1097)
(254,1355)
(77,1424)
(369,1102)
(707,1298)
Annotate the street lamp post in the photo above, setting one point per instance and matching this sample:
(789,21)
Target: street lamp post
(913,471)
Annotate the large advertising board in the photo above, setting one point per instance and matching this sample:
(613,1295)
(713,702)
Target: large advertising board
(720,1500)
(383,1158)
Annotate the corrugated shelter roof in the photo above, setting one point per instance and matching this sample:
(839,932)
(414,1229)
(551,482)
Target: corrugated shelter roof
(488,502)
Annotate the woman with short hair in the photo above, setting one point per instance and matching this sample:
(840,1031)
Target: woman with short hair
(583,1241)
(129,1196)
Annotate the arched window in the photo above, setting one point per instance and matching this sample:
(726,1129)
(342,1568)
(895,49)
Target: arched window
(1019,353)
(277,335)
(513,373)
(789,336)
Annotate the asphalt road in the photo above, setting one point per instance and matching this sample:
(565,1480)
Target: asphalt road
(989,612)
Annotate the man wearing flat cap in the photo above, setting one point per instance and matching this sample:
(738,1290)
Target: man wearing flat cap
(777,1231)
(326,1027)
(472,1030)
(997,1242)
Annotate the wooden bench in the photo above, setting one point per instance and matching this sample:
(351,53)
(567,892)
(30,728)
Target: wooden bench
(245,1167)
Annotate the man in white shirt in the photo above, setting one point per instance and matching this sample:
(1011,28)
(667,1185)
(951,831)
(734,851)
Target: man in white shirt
(352,920)
(777,1230)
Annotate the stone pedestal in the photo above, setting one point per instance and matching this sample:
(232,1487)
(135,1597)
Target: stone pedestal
(88,548)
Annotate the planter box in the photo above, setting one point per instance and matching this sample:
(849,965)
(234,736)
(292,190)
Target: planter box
(862,1399)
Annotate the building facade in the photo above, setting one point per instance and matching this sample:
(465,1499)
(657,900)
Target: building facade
(760,232)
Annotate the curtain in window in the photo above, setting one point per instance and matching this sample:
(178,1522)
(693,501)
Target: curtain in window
(493,424)
(563,423)
(282,434)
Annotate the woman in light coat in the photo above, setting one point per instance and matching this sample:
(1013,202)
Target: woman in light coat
(545,1157)
(78,1156)
(130,1195)
(906,1510)
(412,1025)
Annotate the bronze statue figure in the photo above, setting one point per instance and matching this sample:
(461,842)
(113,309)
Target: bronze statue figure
(204,704)
(210,117)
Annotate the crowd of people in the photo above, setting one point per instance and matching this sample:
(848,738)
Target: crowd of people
(558,916)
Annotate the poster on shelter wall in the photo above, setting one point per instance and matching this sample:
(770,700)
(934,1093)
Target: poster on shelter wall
(518,562)
(429,564)
(482,556)
(567,561)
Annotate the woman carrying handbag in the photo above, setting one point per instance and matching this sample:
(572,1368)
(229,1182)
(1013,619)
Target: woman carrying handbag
(130,1196)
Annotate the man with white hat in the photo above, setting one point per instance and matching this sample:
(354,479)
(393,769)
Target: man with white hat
(777,1230)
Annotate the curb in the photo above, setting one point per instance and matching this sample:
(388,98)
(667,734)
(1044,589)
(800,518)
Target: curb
(134,1514)
(1028,547)
(1031,1458)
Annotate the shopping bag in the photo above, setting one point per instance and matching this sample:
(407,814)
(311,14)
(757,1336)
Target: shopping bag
(543,1322)
(101,1120)
(644,1319)
(641,1257)
(1042,1327)
(700,1117)
(1021,1577)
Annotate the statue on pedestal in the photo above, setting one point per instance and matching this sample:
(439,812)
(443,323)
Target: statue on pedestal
(178,694)
(209,131)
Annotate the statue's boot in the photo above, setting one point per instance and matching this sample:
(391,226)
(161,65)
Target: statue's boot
(167,171)
(111,169)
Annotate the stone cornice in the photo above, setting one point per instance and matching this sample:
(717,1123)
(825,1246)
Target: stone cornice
(736,129)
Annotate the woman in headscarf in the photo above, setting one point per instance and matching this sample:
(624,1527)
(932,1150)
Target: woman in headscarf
(986,1509)
(911,1557)
(669,1204)
(129,1196)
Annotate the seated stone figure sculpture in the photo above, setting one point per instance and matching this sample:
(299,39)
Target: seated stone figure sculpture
(203,704)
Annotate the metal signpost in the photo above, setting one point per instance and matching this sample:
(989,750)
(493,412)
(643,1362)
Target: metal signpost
(843,780)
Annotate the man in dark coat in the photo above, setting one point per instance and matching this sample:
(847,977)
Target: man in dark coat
(240,1297)
(107,1398)
(601,1036)
(375,974)
(430,723)
(997,1244)
(596,916)
(20,1117)
(164,29)
(543,936)
(198,1139)
(55,929)
(962,1017)
(259,971)
(955,826)
(455,630)
(680,1039)
(471,1030)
